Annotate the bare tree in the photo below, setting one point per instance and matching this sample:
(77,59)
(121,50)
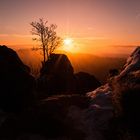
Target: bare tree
(46,35)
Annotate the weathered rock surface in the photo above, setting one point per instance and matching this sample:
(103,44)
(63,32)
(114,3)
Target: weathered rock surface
(85,82)
(16,83)
(57,77)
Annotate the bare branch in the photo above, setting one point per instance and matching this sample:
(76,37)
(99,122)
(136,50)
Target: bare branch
(46,35)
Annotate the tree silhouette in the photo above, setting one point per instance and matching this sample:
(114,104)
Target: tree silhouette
(46,35)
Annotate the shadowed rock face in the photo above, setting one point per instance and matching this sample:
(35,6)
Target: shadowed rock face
(57,77)
(86,82)
(58,64)
(15,81)
(67,116)
(121,96)
(58,117)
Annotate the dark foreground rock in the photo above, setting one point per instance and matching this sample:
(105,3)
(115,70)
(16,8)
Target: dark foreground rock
(120,97)
(57,77)
(57,117)
(16,83)
(109,112)
(86,82)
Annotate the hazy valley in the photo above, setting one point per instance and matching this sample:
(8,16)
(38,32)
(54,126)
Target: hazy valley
(98,66)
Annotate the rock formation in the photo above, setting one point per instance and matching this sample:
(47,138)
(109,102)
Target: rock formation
(57,77)
(109,112)
(120,96)
(85,82)
(16,83)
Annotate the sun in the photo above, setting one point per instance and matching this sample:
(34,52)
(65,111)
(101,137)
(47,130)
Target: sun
(68,41)
(68,44)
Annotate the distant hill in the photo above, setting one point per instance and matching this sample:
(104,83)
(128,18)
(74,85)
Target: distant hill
(98,66)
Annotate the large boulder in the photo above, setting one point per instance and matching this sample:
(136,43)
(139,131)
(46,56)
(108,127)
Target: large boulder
(58,64)
(16,83)
(57,75)
(86,82)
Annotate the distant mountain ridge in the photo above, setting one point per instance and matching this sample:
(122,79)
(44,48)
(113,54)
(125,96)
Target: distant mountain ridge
(98,66)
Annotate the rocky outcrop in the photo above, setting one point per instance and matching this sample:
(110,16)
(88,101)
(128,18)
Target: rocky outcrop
(80,117)
(16,83)
(57,77)
(132,64)
(57,117)
(119,99)
(85,82)
(58,64)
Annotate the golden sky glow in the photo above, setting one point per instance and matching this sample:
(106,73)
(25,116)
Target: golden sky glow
(95,26)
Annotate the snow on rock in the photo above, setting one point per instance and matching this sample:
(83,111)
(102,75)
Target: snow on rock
(101,96)
(99,113)
(101,108)
(132,64)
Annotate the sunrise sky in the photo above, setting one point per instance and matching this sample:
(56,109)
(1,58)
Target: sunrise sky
(94,25)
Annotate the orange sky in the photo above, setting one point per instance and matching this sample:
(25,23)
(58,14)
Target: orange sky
(96,26)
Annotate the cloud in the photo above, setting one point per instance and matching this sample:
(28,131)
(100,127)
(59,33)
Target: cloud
(124,46)
(16,35)
(90,38)
(4,35)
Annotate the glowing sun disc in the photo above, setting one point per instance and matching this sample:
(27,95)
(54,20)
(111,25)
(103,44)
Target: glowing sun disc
(68,41)
(69,45)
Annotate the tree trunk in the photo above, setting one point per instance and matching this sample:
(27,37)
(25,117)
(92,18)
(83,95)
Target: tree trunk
(44,55)
(47,53)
